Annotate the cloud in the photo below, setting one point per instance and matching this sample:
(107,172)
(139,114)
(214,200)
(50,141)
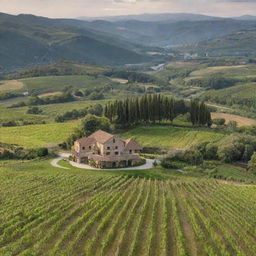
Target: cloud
(76,8)
(240,1)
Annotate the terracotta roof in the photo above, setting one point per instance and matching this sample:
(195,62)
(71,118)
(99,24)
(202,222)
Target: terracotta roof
(132,144)
(101,136)
(87,141)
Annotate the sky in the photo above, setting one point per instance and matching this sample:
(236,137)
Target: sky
(97,8)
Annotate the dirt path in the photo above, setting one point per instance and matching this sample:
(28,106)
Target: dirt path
(54,163)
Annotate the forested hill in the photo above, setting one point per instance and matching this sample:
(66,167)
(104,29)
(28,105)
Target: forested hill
(240,43)
(29,40)
(169,33)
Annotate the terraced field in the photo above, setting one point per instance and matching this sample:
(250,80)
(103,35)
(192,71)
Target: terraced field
(171,137)
(32,136)
(242,94)
(229,71)
(153,136)
(47,211)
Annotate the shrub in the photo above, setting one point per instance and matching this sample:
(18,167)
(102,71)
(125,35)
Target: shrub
(252,163)
(9,124)
(34,110)
(96,96)
(219,121)
(211,151)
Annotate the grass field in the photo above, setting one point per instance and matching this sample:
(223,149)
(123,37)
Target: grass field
(49,211)
(229,71)
(32,136)
(241,121)
(49,111)
(54,83)
(171,137)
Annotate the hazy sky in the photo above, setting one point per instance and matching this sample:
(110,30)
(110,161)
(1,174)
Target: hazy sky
(76,8)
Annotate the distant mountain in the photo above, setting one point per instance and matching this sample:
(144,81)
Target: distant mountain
(241,43)
(27,40)
(169,34)
(246,17)
(153,17)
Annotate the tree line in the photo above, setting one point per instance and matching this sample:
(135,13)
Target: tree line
(154,108)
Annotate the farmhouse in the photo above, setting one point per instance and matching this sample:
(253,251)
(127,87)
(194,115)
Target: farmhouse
(104,150)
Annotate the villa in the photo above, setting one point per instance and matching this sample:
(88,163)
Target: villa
(104,150)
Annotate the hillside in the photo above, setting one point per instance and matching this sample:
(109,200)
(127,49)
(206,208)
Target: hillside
(151,17)
(240,43)
(61,68)
(27,40)
(168,33)
(241,94)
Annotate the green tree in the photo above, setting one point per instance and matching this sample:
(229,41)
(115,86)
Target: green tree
(92,123)
(219,121)
(252,163)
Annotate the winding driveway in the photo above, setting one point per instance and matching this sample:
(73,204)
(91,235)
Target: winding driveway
(148,165)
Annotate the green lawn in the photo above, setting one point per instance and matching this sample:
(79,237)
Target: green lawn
(32,136)
(171,137)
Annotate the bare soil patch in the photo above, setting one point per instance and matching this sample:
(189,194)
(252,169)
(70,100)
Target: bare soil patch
(50,94)
(120,80)
(241,121)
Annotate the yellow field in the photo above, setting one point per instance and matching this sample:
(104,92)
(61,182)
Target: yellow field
(241,121)
(50,94)
(10,85)
(120,80)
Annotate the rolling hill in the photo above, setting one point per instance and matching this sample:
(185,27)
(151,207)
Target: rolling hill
(26,40)
(151,17)
(239,43)
(170,33)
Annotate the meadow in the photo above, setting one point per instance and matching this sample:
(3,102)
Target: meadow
(236,71)
(54,83)
(51,211)
(49,112)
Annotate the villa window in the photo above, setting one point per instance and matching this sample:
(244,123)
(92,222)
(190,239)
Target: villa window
(108,148)
(130,151)
(108,153)
(116,153)
(114,141)
(116,147)
(83,148)
(90,147)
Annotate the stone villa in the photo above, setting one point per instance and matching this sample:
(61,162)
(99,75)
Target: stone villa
(104,150)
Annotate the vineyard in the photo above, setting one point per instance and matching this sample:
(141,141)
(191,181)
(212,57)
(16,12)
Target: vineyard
(47,211)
